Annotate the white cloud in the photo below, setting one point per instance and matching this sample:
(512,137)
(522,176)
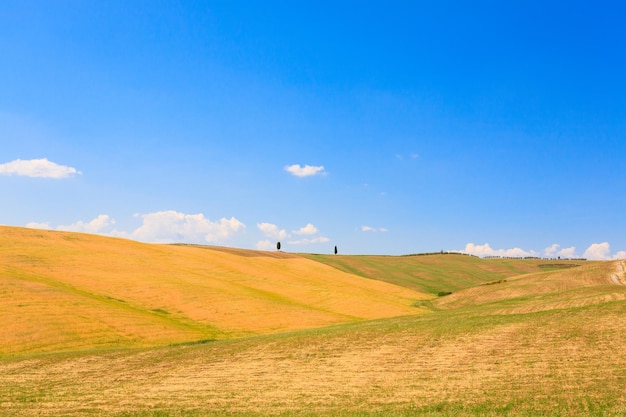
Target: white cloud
(38,168)
(487,250)
(35,225)
(555,251)
(96,225)
(159,227)
(567,252)
(171,226)
(319,239)
(373,229)
(552,250)
(304,171)
(411,156)
(271,230)
(119,233)
(598,251)
(309,229)
(265,245)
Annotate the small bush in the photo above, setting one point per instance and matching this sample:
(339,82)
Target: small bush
(500,281)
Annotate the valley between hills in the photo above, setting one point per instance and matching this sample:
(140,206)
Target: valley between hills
(94,325)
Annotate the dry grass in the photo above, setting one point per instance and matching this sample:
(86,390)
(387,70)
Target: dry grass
(72,291)
(540,343)
(548,363)
(585,285)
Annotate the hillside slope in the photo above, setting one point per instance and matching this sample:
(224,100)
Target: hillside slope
(541,342)
(74,291)
(437,272)
(590,283)
(450,363)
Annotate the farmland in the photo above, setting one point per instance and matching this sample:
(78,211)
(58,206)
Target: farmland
(102,326)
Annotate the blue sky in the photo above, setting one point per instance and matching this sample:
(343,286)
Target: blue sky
(383,128)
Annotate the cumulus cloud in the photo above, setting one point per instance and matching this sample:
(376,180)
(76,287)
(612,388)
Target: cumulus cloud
(271,230)
(35,225)
(555,250)
(159,227)
(304,171)
(94,226)
(265,245)
(598,251)
(487,250)
(551,250)
(373,229)
(171,226)
(567,252)
(37,168)
(309,229)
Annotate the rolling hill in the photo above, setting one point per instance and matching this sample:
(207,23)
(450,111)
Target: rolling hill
(101,326)
(77,291)
(435,273)
(587,284)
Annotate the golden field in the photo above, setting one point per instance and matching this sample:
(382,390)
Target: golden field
(101,326)
(74,291)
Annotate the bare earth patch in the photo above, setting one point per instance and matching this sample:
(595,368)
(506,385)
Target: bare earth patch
(617,277)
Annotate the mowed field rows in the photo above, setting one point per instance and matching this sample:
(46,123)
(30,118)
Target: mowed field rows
(521,338)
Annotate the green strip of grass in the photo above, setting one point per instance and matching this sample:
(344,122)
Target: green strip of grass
(430,273)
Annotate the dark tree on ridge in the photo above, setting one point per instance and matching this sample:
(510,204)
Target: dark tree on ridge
(335,249)
(278,246)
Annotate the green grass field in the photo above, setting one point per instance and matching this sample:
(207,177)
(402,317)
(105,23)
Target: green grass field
(435,273)
(515,337)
